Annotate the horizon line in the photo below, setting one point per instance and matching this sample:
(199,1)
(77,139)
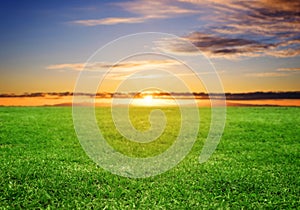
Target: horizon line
(200,95)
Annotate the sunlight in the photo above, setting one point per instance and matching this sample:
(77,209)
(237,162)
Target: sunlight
(148,100)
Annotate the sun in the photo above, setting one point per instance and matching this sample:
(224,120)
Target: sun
(148,99)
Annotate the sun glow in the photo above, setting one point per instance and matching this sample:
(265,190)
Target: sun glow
(145,100)
(148,100)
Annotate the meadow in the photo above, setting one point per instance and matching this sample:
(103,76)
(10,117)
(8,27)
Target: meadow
(256,164)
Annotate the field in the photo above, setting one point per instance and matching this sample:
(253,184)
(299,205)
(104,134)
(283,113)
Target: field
(256,164)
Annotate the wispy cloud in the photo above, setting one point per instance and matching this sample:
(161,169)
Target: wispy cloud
(280,72)
(123,70)
(284,53)
(67,66)
(234,28)
(215,46)
(156,8)
(289,69)
(143,10)
(244,29)
(267,74)
(101,66)
(109,21)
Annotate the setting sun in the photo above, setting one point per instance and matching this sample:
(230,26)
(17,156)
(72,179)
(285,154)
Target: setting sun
(148,99)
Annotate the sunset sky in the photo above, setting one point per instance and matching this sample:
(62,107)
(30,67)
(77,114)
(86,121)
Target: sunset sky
(254,45)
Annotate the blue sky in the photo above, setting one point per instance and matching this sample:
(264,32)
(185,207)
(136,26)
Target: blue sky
(254,45)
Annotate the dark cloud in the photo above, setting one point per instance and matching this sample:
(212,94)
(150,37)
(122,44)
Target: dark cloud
(216,46)
(233,28)
(250,28)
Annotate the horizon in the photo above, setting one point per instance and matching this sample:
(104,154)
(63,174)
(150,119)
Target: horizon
(289,94)
(152,99)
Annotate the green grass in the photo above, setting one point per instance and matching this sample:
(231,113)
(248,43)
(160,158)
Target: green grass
(139,119)
(256,164)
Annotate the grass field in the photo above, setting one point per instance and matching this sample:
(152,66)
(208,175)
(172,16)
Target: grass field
(256,164)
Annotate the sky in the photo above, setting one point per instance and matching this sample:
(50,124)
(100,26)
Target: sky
(254,45)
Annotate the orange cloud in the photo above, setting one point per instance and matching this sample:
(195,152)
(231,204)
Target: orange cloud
(109,21)
(146,10)
(155,8)
(289,69)
(100,66)
(267,74)
(67,66)
(235,28)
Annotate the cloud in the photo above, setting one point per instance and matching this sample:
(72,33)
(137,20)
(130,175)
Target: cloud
(289,69)
(146,10)
(67,66)
(281,72)
(133,69)
(214,46)
(103,66)
(233,29)
(284,53)
(267,74)
(273,24)
(156,8)
(109,21)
